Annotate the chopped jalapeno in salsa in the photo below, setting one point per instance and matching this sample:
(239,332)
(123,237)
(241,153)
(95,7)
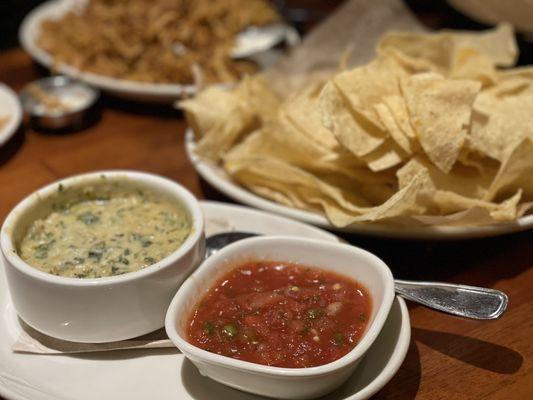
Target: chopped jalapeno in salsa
(281,314)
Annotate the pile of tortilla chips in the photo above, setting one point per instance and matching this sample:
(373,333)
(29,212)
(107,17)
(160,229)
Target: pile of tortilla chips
(436,130)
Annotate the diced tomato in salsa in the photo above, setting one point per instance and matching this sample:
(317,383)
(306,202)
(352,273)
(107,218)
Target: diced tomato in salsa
(281,314)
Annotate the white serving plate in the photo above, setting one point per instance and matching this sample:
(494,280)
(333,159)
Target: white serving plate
(127,89)
(165,373)
(9,107)
(29,32)
(219,179)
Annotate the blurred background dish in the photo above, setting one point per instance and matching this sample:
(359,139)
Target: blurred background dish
(183,47)
(519,13)
(10,113)
(58,102)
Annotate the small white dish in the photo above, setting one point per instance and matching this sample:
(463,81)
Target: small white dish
(219,179)
(11,109)
(165,371)
(77,102)
(102,309)
(283,383)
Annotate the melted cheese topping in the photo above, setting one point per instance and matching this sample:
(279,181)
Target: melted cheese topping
(104,237)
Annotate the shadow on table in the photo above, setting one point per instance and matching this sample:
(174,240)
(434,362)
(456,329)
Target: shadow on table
(210,193)
(405,384)
(160,110)
(479,353)
(12,146)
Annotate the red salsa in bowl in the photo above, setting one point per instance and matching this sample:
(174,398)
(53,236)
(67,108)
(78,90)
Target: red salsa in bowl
(281,314)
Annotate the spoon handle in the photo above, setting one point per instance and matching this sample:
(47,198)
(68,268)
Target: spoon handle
(465,301)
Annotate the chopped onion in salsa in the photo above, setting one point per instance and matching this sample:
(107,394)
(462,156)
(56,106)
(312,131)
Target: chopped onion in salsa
(281,314)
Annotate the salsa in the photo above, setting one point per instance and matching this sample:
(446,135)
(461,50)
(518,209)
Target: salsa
(281,314)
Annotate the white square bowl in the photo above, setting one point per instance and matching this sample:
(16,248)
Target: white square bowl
(283,383)
(98,310)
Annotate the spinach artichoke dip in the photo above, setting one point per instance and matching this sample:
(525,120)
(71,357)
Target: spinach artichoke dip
(98,236)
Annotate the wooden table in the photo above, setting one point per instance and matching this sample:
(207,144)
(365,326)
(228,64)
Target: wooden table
(448,357)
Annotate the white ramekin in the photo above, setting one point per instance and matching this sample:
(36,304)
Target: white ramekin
(103,309)
(283,383)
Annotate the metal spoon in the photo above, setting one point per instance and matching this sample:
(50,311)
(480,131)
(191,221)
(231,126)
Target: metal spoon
(462,300)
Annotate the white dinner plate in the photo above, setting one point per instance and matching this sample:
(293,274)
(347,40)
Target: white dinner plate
(10,108)
(220,180)
(142,91)
(53,9)
(165,373)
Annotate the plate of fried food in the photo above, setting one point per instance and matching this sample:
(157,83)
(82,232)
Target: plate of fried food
(433,138)
(153,51)
(10,113)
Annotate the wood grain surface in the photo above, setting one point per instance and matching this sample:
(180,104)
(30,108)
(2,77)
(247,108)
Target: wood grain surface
(449,358)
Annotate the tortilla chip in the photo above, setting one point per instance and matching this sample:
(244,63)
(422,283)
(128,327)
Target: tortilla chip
(220,117)
(397,107)
(465,181)
(278,192)
(440,112)
(365,86)
(515,173)
(341,207)
(473,159)
(258,95)
(208,108)
(472,212)
(498,44)
(501,118)
(411,65)
(285,141)
(386,156)
(357,134)
(392,127)
(429,133)
(439,50)
(469,63)
(302,109)
(273,172)
(443,194)
(402,203)
(450,202)
(219,120)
